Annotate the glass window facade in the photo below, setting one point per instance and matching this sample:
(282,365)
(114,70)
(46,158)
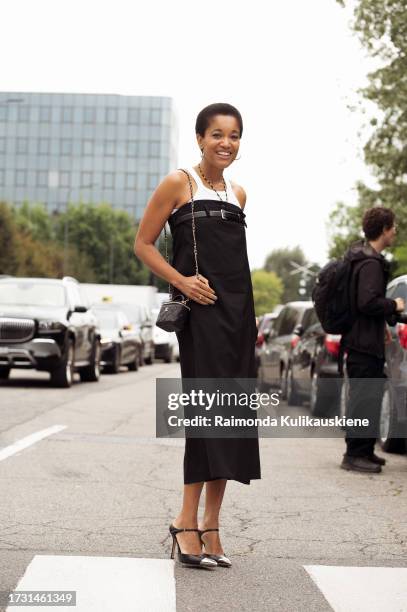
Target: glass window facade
(21,178)
(42,146)
(66,146)
(22,145)
(45,114)
(96,148)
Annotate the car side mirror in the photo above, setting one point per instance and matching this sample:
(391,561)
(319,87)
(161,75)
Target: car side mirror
(269,334)
(80,309)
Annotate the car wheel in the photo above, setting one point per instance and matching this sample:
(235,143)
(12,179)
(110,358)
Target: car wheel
(293,398)
(134,365)
(262,386)
(114,367)
(316,399)
(283,383)
(148,360)
(170,355)
(389,426)
(92,372)
(63,375)
(325,395)
(4,373)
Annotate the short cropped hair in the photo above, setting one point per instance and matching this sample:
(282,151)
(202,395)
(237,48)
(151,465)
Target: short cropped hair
(375,220)
(220,108)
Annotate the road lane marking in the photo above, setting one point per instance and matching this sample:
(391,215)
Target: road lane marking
(103,584)
(20,445)
(362,589)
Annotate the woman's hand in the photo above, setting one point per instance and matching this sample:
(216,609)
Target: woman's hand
(197,288)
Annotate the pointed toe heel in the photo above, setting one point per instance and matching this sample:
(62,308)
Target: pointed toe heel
(201,561)
(221,560)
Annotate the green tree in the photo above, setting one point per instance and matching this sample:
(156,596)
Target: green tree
(35,220)
(106,237)
(345,227)
(400,256)
(382,28)
(36,258)
(9,247)
(296,286)
(267,291)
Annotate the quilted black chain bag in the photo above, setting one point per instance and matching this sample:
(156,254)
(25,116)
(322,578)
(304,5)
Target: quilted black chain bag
(174,313)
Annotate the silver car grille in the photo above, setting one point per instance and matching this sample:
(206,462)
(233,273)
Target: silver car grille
(16,330)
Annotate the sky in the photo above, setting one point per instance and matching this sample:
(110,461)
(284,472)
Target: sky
(291,67)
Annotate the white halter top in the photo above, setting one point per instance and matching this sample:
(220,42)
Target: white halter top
(206,193)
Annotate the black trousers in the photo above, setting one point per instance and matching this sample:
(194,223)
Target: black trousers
(366,386)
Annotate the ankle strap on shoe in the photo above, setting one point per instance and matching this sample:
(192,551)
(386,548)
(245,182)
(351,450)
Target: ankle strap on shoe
(205,530)
(178,530)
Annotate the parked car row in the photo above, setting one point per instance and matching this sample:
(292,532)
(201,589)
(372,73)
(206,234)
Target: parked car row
(295,355)
(50,325)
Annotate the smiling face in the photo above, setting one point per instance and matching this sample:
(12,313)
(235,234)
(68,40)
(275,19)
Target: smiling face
(221,141)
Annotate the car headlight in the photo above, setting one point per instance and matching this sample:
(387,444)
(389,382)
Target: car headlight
(47,326)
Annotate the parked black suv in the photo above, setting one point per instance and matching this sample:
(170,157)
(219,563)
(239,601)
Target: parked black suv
(46,324)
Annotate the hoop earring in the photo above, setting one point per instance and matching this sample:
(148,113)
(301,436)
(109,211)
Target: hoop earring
(202,153)
(237,158)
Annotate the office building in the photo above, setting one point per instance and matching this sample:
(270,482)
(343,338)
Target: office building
(59,148)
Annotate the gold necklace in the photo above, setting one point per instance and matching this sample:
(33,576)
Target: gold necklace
(211,184)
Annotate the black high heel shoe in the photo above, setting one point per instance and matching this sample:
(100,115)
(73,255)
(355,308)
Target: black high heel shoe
(185,558)
(221,560)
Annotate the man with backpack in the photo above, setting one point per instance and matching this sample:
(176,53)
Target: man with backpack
(349,299)
(364,342)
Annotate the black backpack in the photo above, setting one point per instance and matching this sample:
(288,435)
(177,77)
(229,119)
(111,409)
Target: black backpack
(331,297)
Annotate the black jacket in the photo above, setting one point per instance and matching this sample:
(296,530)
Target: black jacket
(370,274)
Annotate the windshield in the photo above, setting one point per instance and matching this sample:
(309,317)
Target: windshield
(132,312)
(107,319)
(23,293)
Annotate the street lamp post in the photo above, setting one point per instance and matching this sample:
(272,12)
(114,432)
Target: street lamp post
(305,272)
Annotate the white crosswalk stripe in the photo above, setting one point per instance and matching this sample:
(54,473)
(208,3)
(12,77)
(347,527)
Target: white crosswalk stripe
(20,445)
(103,584)
(362,589)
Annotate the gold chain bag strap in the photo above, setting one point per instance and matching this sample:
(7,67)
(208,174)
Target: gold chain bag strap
(174,313)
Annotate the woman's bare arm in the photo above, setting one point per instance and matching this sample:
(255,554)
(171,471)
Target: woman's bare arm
(167,195)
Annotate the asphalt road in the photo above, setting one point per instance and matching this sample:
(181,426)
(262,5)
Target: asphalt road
(104,487)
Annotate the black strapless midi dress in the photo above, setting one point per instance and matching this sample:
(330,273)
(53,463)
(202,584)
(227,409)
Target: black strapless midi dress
(219,340)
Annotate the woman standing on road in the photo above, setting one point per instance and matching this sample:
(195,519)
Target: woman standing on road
(219,338)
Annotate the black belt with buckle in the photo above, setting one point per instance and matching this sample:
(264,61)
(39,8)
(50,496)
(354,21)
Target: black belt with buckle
(228,215)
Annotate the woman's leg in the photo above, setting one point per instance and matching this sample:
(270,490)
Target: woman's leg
(215,490)
(188,518)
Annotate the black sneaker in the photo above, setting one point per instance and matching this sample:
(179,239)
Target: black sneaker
(375,459)
(360,464)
